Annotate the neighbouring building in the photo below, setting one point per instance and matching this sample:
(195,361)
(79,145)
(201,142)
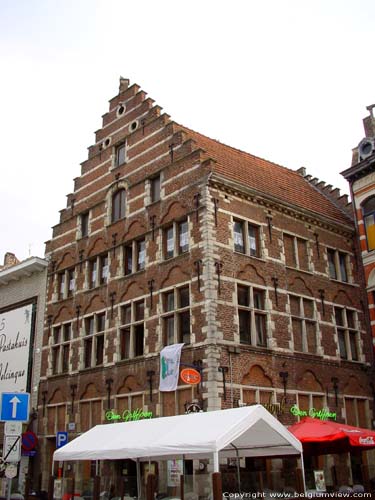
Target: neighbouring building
(170,237)
(361,178)
(22,303)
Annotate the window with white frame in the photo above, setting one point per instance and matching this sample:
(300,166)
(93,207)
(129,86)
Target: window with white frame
(93,342)
(176,316)
(347,333)
(134,256)
(97,271)
(246,238)
(118,205)
(252,316)
(176,239)
(60,350)
(295,251)
(132,330)
(260,395)
(338,265)
(304,325)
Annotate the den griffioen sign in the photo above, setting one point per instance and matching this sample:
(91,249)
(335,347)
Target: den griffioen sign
(15,334)
(322,414)
(127,415)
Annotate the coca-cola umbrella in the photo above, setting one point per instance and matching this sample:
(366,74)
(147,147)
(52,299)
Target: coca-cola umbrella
(322,437)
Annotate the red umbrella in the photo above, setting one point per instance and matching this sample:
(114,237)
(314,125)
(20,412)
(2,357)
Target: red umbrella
(320,437)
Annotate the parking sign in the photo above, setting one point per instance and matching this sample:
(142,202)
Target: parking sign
(61,439)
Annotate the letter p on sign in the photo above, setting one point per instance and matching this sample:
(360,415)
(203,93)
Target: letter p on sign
(61,439)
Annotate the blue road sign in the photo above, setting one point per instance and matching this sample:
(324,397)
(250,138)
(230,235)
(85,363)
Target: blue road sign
(61,439)
(15,406)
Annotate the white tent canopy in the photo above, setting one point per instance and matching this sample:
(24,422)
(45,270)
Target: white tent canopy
(251,430)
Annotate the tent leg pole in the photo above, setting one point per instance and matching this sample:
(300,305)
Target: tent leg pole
(303,474)
(216,461)
(139,486)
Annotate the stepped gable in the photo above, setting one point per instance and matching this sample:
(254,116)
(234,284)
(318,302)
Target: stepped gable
(333,194)
(268,178)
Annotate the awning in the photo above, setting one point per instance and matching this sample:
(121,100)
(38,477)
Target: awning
(320,437)
(251,430)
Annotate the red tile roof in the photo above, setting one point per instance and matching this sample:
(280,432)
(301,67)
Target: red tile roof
(267,177)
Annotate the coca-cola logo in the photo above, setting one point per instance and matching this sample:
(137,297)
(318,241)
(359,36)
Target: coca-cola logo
(368,440)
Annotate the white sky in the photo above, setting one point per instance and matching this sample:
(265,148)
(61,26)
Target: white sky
(287,80)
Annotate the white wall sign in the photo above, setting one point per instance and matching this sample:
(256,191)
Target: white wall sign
(15,336)
(15,454)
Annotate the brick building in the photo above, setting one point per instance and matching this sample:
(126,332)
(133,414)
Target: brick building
(22,304)
(170,236)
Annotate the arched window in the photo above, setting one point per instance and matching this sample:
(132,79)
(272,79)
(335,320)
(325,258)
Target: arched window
(368,208)
(118,205)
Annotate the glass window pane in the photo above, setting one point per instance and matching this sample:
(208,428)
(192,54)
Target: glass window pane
(128,259)
(125,343)
(67,332)
(184,327)
(311,337)
(104,269)
(369,205)
(65,358)
(169,330)
(84,224)
(238,237)
(55,360)
(370,231)
(139,310)
(297,334)
(331,264)
(184,296)
(260,326)
(339,318)
(141,245)
(294,305)
(100,322)
(342,344)
(243,296)
(120,154)
(89,323)
(342,260)
(88,352)
(169,235)
(126,314)
(353,346)
(350,318)
(169,301)
(183,237)
(258,297)
(253,240)
(139,340)
(244,322)
(56,334)
(93,267)
(155,189)
(99,349)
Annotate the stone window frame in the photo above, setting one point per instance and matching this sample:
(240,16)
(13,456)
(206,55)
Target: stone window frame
(90,401)
(253,311)
(177,248)
(130,325)
(116,149)
(311,395)
(176,395)
(63,282)
(348,333)
(296,258)
(177,313)
(117,186)
(59,345)
(80,224)
(367,409)
(334,265)
(129,396)
(95,338)
(258,389)
(303,319)
(248,248)
(134,248)
(101,272)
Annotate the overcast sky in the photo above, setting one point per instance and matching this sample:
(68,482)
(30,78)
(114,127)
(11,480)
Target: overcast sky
(285,80)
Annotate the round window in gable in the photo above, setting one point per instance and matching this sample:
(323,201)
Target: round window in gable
(107,142)
(133,126)
(121,110)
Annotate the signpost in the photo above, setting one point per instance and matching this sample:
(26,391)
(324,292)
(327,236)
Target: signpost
(15,406)
(61,439)
(12,448)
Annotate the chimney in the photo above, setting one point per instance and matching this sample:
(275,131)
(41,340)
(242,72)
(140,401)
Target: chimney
(369,122)
(10,259)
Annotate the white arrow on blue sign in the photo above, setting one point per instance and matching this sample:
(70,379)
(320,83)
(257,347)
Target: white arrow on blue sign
(15,406)
(61,439)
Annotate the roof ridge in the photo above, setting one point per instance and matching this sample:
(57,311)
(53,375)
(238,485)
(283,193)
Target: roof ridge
(235,149)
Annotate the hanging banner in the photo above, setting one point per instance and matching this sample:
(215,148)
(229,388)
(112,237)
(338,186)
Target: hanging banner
(169,367)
